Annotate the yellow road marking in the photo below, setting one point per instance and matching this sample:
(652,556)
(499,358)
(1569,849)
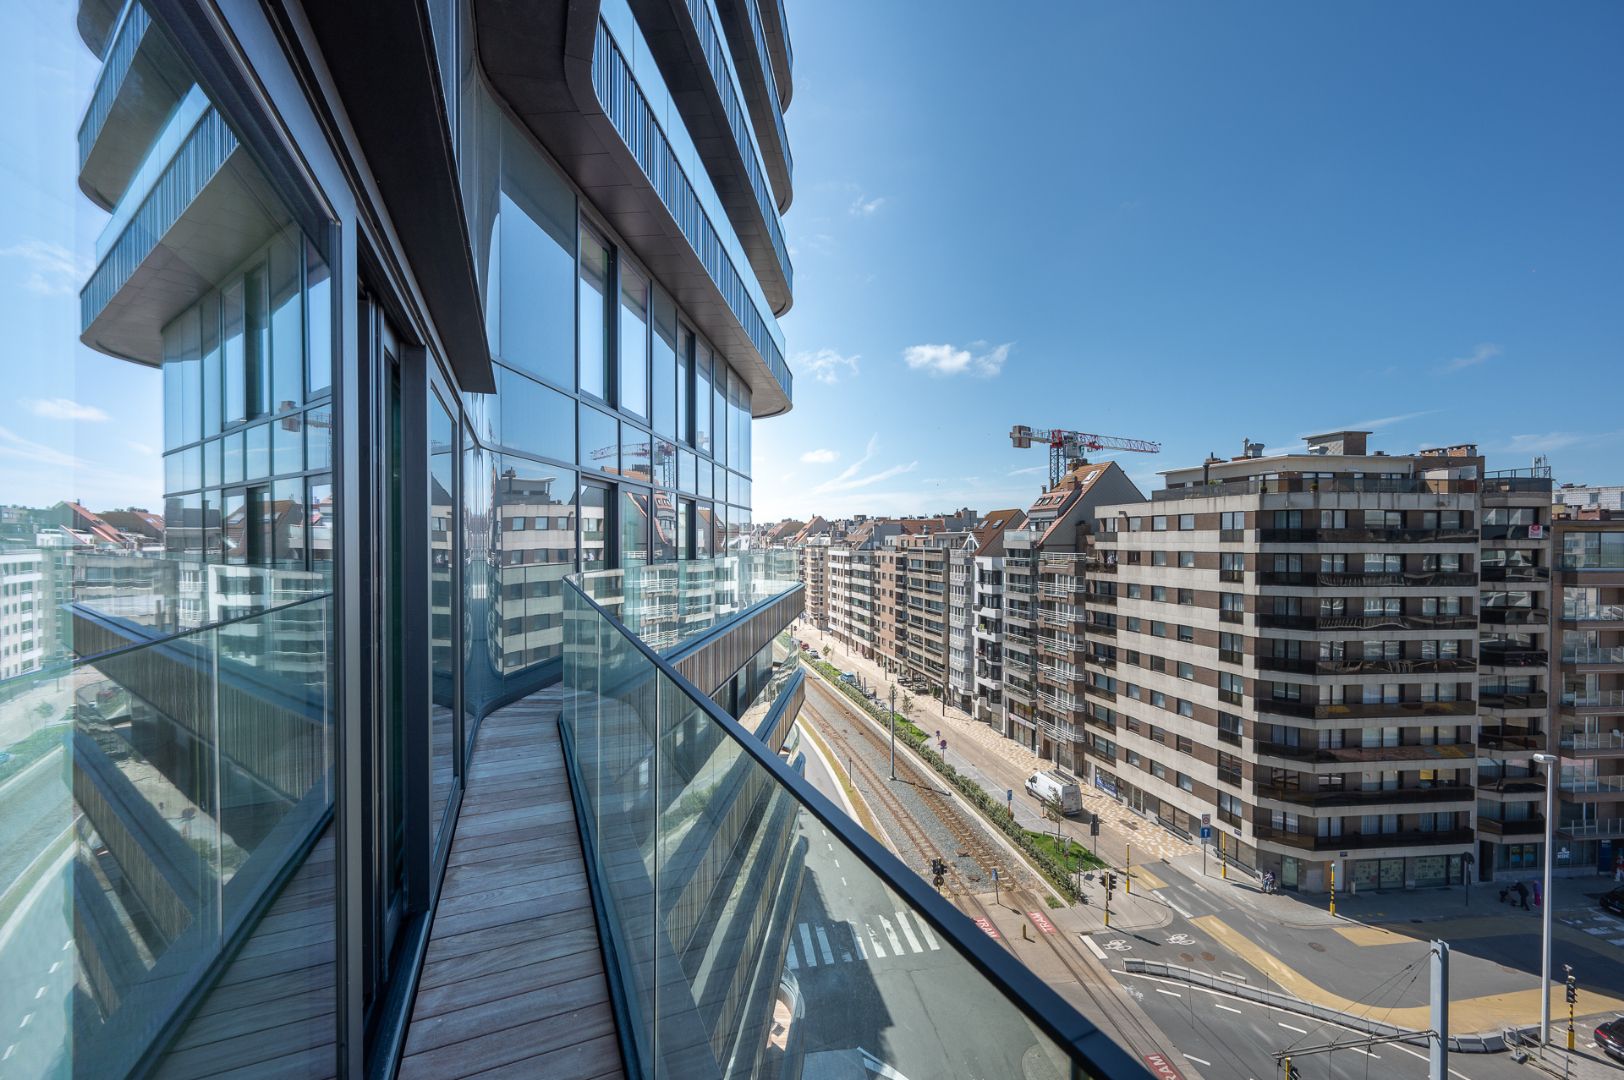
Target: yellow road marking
(1465,1015)
(1372,935)
(1144,877)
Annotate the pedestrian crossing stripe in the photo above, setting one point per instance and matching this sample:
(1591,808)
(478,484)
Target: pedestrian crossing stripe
(873,937)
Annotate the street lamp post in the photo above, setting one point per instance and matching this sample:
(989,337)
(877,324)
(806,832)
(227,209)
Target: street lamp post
(1550,762)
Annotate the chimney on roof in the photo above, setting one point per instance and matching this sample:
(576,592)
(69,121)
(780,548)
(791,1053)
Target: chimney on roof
(1251,449)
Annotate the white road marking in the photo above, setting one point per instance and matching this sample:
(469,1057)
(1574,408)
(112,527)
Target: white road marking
(26,1019)
(874,941)
(1232,975)
(794,961)
(823,947)
(843,882)
(837,867)
(1171,903)
(857,940)
(1226,1008)
(806,947)
(1169,993)
(907,932)
(1093,948)
(39,993)
(1367,1053)
(891,935)
(54,966)
(1288,1027)
(1198,1061)
(924,928)
(12,1049)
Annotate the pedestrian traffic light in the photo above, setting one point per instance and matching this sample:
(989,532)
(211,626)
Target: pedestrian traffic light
(1094,825)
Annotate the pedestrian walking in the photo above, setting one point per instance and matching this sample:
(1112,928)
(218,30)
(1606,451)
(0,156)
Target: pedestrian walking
(1538,890)
(1522,895)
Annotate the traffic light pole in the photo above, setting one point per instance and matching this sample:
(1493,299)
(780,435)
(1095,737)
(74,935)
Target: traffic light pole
(1127,870)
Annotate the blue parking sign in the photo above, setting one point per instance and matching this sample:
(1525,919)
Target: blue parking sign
(1206,832)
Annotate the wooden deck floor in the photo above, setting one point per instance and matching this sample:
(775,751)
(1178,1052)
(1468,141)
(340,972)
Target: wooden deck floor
(513,983)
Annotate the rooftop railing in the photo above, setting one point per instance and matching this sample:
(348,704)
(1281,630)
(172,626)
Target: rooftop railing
(1323,485)
(670,604)
(731,951)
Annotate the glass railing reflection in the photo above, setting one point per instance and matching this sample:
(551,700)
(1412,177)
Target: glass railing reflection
(154,795)
(669,604)
(753,930)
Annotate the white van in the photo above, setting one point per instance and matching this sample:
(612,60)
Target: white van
(1058,788)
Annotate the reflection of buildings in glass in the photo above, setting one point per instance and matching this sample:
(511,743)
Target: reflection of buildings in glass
(535,539)
(24,592)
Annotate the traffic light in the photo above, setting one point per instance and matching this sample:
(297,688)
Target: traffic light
(1110,881)
(1094,825)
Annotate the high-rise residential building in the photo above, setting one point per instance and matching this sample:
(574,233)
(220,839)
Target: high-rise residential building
(976,618)
(445,730)
(1043,585)
(1587,686)
(1340,658)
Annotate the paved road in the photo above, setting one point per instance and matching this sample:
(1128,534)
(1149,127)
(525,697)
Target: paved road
(36,956)
(35,807)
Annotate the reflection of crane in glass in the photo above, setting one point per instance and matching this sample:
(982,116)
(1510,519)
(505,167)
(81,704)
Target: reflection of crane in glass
(1068,447)
(662,451)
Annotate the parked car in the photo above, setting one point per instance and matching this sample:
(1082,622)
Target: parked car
(1610,1037)
(1056,788)
(1614,901)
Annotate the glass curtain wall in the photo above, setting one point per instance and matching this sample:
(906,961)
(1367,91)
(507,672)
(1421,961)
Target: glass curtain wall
(167,731)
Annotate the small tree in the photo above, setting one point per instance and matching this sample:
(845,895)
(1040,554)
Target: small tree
(907,705)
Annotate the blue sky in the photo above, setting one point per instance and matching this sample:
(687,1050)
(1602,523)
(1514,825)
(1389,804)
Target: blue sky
(1195,223)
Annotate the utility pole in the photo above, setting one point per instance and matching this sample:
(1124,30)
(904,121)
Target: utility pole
(1333,887)
(1223,861)
(1438,1059)
(893,711)
(1127,869)
(1573,999)
(1546,905)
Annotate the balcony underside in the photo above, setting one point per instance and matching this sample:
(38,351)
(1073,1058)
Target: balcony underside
(540,61)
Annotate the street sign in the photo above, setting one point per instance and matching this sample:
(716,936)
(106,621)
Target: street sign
(1206,831)
(943,745)
(1206,819)
(1009,794)
(995,873)
(1562,853)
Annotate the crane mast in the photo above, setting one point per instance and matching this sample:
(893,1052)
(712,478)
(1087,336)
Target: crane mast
(1067,447)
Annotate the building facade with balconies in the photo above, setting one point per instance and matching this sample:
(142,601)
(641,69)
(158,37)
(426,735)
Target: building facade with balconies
(1587,684)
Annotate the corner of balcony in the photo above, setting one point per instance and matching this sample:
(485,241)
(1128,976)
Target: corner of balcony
(141,81)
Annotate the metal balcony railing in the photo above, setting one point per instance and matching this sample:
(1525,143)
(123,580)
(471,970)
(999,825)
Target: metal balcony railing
(1599,699)
(1610,654)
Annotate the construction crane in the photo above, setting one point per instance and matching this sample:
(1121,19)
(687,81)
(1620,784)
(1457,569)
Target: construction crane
(1068,447)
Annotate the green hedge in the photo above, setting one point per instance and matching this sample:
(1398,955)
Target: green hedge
(991,808)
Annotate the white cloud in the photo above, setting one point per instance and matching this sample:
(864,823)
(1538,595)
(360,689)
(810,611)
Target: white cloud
(53,270)
(1557,440)
(1031,470)
(13,445)
(863,206)
(1481,353)
(62,408)
(141,448)
(820,456)
(978,359)
(852,477)
(826,365)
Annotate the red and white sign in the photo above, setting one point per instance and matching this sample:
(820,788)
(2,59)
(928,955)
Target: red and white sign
(1160,1066)
(1041,921)
(987,927)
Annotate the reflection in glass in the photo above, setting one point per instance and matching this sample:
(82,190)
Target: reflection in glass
(633,389)
(592,314)
(535,515)
(594,545)
(443,608)
(634,526)
(599,440)
(537,250)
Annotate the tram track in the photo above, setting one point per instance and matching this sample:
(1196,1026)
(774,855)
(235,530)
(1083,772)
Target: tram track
(970,855)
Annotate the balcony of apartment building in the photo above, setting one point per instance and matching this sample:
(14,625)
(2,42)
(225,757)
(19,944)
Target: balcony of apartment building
(1365,536)
(1398,839)
(1017,613)
(1593,743)
(1582,613)
(1592,828)
(1513,821)
(1597,658)
(1330,759)
(1382,581)
(1400,710)
(1357,621)
(1592,701)
(1393,797)
(1506,658)
(1419,665)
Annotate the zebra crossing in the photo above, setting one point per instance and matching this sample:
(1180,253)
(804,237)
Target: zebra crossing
(872,937)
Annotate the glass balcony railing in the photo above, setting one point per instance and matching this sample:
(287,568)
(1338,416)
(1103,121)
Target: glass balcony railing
(154,796)
(668,605)
(752,929)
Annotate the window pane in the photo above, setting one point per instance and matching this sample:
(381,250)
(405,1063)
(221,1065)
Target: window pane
(702,398)
(591,314)
(594,526)
(287,324)
(319,311)
(664,365)
(536,419)
(634,527)
(287,444)
(537,243)
(633,396)
(599,440)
